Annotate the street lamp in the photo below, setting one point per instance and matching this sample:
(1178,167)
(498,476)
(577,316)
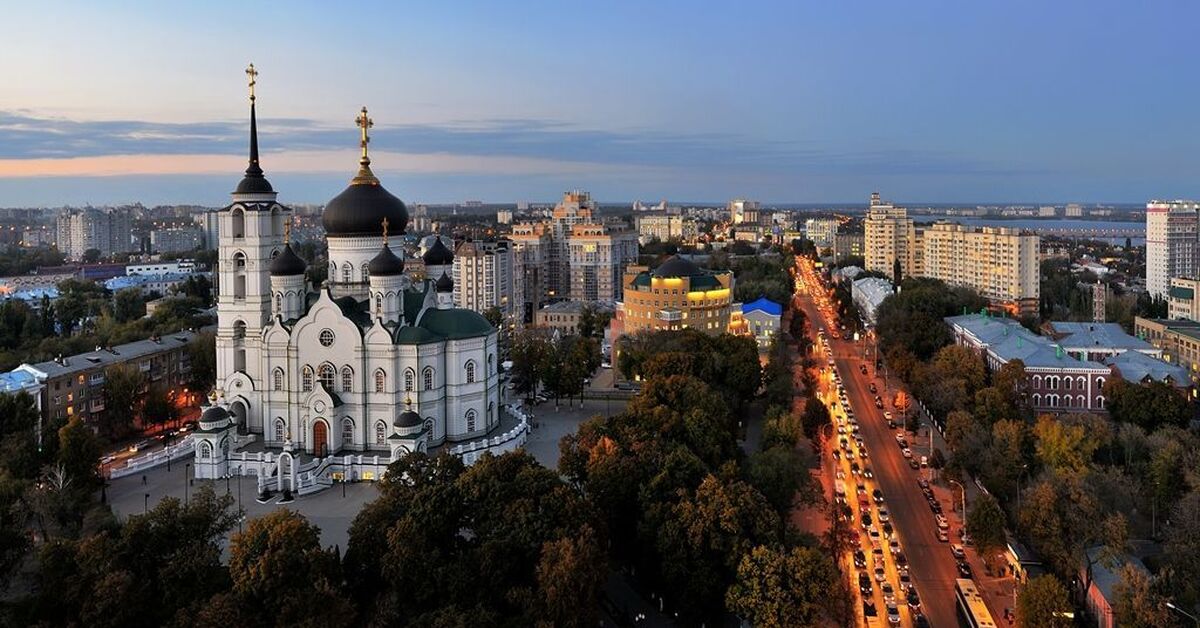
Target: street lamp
(1184,613)
(146,504)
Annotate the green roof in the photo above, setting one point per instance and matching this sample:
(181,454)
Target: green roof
(413,300)
(456,323)
(412,335)
(1179,292)
(705,282)
(642,280)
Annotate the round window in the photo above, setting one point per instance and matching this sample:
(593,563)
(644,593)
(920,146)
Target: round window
(326,337)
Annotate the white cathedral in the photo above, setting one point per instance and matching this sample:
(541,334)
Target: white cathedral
(370,362)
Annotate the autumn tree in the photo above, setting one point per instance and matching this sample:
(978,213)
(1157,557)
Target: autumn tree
(1044,603)
(985,524)
(777,588)
(122,394)
(1137,602)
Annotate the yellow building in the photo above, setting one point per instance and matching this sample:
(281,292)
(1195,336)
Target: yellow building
(676,295)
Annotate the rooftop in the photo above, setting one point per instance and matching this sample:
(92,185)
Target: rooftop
(1008,340)
(1135,366)
(116,355)
(1102,335)
(763,304)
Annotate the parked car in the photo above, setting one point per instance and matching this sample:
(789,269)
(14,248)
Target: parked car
(957,551)
(964,570)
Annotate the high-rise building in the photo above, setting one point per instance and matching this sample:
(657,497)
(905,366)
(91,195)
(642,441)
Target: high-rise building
(676,295)
(665,225)
(1171,243)
(107,231)
(742,211)
(597,253)
(889,239)
(176,240)
(822,231)
(483,276)
(531,252)
(848,245)
(1073,210)
(998,262)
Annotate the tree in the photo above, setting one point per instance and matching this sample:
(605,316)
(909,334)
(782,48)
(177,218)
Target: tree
(779,473)
(570,579)
(122,392)
(1182,545)
(777,588)
(529,353)
(79,455)
(281,573)
(128,305)
(1063,447)
(203,358)
(1137,603)
(1147,405)
(91,256)
(815,417)
(158,409)
(494,316)
(985,524)
(1044,603)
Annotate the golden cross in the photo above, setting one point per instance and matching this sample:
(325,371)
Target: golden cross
(287,231)
(385,224)
(364,123)
(252,74)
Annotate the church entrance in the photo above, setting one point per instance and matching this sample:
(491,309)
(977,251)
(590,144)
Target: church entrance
(320,439)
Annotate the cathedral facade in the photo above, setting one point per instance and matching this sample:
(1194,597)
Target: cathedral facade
(369,362)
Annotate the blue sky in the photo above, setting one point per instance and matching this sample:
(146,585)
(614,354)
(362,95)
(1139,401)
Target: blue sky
(701,101)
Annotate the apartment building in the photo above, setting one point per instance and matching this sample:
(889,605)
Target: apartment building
(483,276)
(742,211)
(175,240)
(1171,243)
(564,316)
(822,231)
(848,245)
(596,255)
(998,262)
(73,386)
(531,252)
(889,239)
(664,226)
(108,231)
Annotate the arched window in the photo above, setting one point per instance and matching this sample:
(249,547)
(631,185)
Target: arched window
(1100,383)
(347,378)
(306,379)
(1080,382)
(1067,382)
(1068,400)
(1037,401)
(428,377)
(366,272)
(378,304)
(470,371)
(239,330)
(380,381)
(1037,381)
(278,429)
(347,272)
(470,420)
(1081,401)
(205,450)
(278,303)
(277,378)
(347,432)
(239,223)
(325,374)
(491,358)
(491,415)
(429,425)
(1100,402)
(380,433)
(409,376)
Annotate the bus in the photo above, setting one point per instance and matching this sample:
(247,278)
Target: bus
(971,610)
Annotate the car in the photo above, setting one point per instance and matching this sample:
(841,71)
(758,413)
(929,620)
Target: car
(841,475)
(841,429)
(887,529)
(941,536)
(862,452)
(900,558)
(957,551)
(872,387)
(905,580)
(893,615)
(849,455)
(883,514)
(935,506)
(866,520)
(877,552)
(942,524)
(880,574)
(914,600)
(868,473)
(887,415)
(878,402)
(920,621)
(964,570)
(891,424)
(923,483)
(854,468)
(900,438)
(864,583)
(913,464)
(861,488)
(869,609)
(907,452)
(874,534)
(878,495)
(889,594)
(894,545)
(107,459)
(862,368)
(837,455)
(924,461)
(860,559)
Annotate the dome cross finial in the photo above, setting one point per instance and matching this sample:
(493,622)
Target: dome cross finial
(364,123)
(252,74)
(385,226)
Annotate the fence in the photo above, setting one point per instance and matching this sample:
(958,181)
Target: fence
(137,464)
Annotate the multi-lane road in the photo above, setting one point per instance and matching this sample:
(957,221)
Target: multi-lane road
(932,567)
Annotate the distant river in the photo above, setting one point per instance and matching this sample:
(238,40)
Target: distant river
(1056,224)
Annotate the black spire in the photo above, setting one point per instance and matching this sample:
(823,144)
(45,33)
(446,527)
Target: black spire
(254,182)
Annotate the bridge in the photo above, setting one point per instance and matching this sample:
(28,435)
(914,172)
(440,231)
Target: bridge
(1092,232)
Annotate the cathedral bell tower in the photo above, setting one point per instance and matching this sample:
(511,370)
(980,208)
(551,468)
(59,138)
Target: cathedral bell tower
(251,234)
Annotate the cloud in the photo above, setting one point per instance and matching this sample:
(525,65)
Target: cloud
(44,146)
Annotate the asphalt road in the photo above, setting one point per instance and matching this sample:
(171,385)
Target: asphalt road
(931,565)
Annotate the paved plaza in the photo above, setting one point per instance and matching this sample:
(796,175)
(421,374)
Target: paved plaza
(334,509)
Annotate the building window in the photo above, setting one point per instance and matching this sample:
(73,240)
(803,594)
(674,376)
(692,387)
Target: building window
(347,431)
(380,380)
(380,433)
(1100,402)
(1100,384)
(277,378)
(278,429)
(306,379)
(205,450)
(379,304)
(278,303)
(347,378)
(409,376)
(470,421)
(325,374)
(1067,383)
(470,371)
(366,273)
(325,337)
(347,270)
(428,376)
(429,426)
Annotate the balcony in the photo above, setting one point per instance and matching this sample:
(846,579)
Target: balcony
(96,380)
(670,315)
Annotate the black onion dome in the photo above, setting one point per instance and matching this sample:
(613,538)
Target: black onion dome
(408,418)
(214,414)
(361,209)
(385,264)
(444,284)
(287,263)
(438,254)
(677,266)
